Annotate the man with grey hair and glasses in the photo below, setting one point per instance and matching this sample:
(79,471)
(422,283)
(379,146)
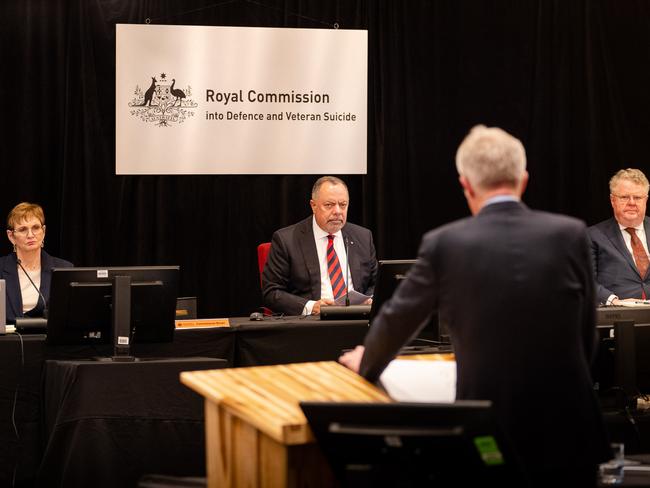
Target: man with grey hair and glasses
(620,245)
(515,287)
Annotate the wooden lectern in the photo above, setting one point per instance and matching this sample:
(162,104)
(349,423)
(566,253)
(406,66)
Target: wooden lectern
(256,433)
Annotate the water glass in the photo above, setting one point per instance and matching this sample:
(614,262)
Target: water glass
(611,472)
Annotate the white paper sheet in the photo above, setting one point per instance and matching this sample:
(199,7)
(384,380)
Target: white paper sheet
(356,298)
(420,381)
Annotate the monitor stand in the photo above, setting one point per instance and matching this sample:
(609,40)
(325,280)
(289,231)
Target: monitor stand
(121,321)
(625,364)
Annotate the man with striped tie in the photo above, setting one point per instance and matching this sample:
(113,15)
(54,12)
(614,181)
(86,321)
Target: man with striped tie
(321,258)
(619,245)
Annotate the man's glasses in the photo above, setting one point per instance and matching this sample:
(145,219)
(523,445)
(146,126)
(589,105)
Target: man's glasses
(631,198)
(24,230)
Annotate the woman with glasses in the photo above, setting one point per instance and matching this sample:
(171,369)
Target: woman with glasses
(28,270)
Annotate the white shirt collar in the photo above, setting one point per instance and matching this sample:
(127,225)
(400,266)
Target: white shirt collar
(638,227)
(320,233)
(500,199)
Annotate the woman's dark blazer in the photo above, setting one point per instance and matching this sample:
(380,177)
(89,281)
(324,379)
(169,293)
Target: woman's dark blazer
(9,273)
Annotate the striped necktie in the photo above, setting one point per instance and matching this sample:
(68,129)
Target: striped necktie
(334,269)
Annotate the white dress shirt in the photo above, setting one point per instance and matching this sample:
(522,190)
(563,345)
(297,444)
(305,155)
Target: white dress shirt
(320,237)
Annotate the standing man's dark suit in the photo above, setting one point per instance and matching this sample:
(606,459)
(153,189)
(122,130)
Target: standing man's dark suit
(516,289)
(9,273)
(291,276)
(614,268)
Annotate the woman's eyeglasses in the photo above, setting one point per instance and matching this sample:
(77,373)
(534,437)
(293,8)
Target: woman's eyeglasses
(24,230)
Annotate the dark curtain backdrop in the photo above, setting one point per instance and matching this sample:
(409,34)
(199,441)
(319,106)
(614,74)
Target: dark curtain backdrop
(570,78)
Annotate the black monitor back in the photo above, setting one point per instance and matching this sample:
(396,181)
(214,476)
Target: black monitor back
(390,273)
(607,316)
(605,365)
(413,444)
(80,304)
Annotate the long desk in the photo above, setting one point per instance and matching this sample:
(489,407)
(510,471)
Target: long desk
(244,343)
(293,340)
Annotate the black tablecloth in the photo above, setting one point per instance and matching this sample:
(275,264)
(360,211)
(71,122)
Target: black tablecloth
(21,360)
(294,339)
(107,424)
(245,343)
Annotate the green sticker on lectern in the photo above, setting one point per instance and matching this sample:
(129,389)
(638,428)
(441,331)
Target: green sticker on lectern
(489,450)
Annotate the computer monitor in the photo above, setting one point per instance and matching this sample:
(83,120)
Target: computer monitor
(607,316)
(622,365)
(88,305)
(390,274)
(413,444)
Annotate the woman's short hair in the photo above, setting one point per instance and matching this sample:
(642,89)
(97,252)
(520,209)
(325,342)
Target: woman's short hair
(24,211)
(490,157)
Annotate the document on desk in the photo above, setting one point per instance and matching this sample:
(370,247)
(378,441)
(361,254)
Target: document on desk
(356,298)
(420,381)
(633,303)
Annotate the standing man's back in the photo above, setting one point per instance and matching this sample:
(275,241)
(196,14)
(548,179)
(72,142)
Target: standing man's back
(516,290)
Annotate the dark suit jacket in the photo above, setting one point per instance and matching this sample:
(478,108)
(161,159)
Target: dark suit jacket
(614,268)
(9,273)
(516,289)
(291,276)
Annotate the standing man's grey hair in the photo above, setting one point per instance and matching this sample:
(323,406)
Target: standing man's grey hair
(326,179)
(489,157)
(634,175)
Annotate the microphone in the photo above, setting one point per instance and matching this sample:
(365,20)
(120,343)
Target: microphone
(347,272)
(35,287)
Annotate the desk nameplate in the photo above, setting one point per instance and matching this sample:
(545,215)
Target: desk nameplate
(200,323)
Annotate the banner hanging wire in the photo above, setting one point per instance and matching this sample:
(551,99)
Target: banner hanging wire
(149,20)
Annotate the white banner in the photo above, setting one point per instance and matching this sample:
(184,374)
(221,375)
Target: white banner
(240,100)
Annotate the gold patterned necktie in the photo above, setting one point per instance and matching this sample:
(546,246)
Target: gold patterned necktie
(640,257)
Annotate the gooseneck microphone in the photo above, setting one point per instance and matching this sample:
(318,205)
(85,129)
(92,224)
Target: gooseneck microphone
(35,287)
(347,272)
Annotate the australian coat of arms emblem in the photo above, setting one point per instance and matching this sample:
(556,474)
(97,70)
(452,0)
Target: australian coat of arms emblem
(163,103)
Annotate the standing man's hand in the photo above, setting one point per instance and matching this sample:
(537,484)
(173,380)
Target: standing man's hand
(352,359)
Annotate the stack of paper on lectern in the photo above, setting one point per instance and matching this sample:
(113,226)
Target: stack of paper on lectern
(420,381)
